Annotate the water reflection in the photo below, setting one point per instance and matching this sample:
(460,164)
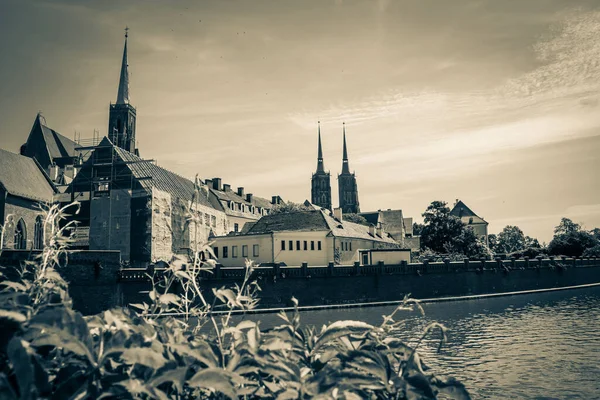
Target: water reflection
(537,346)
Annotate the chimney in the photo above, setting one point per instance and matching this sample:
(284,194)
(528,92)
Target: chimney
(53,172)
(217,184)
(208,182)
(226,187)
(240,191)
(249,197)
(380,230)
(372,230)
(337,214)
(275,200)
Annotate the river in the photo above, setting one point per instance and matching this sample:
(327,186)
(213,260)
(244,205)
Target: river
(531,346)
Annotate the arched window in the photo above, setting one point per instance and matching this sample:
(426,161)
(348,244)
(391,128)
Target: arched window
(20,235)
(38,233)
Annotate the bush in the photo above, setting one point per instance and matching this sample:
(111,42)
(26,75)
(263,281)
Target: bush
(49,350)
(592,251)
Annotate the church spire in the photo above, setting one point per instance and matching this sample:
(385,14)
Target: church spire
(345,166)
(320,164)
(123,92)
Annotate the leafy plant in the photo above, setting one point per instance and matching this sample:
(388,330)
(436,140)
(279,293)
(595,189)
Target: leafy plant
(177,346)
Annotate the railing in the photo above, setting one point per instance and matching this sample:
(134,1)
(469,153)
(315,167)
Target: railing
(305,271)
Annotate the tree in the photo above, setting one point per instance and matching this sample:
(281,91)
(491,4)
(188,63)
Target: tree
(570,240)
(445,233)
(492,241)
(440,227)
(566,226)
(417,229)
(511,239)
(357,219)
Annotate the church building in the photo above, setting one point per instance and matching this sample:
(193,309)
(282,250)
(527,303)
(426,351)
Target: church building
(321,181)
(347,187)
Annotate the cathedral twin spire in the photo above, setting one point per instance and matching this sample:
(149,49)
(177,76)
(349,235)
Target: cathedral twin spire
(321,186)
(123,91)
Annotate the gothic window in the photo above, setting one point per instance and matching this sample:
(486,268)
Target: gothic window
(20,235)
(236,227)
(38,233)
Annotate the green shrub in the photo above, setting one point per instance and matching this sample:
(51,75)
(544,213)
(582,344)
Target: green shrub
(48,350)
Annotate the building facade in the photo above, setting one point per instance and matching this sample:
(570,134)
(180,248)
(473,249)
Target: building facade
(321,181)
(470,219)
(25,189)
(314,237)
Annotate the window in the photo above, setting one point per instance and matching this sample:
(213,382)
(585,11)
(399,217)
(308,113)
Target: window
(255,250)
(291,245)
(283,245)
(207,219)
(244,250)
(305,245)
(20,235)
(350,243)
(225,252)
(214,221)
(319,245)
(234,252)
(236,227)
(297,245)
(38,233)
(312,244)
(200,218)
(216,251)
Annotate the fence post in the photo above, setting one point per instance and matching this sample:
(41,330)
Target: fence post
(218,271)
(304,269)
(330,270)
(447,262)
(466,262)
(513,263)
(356,267)
(380,267)
(276,269)
(526,262)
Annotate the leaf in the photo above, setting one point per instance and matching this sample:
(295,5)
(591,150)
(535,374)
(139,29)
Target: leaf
(63,340)
(339,329)
(169,298)
(203,353)
(452,388)
(12,315)
(21,363)
(16,286)
(288,394)
(144,356)
(215,379)
(176,376)
(226,296)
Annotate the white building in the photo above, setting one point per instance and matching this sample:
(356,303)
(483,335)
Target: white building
(292,238)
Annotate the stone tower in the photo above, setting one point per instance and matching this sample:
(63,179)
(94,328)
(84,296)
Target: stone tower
(121,119)
(348,189)
(321,181)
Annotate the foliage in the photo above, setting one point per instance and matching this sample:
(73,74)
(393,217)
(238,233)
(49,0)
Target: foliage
(445,233)
(592,251)
(417,229)
(511,240)
(356,218)
(570,240)
(289,207)
(48,350)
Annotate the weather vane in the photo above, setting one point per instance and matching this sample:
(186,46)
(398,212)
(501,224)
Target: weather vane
(126,31)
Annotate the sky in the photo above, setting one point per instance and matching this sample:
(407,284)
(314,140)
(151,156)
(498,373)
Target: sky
(492,102)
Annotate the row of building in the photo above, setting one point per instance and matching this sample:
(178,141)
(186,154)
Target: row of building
(148,213)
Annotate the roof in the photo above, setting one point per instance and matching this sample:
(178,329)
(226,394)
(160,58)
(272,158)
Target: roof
(23,176)
(313,221)
(461,210)
(148,175)
(371,217)
(58,145)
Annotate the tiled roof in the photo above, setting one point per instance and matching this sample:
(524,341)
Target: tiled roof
(22,176)
(293,221)
(461,210)
(150,175)
(351,230)
(313,220)
(58,145)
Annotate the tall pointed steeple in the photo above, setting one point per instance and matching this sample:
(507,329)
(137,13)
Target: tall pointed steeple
(348,190)
(123,92)
(345,166)
(321,181)
(122,115)
(320,163)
